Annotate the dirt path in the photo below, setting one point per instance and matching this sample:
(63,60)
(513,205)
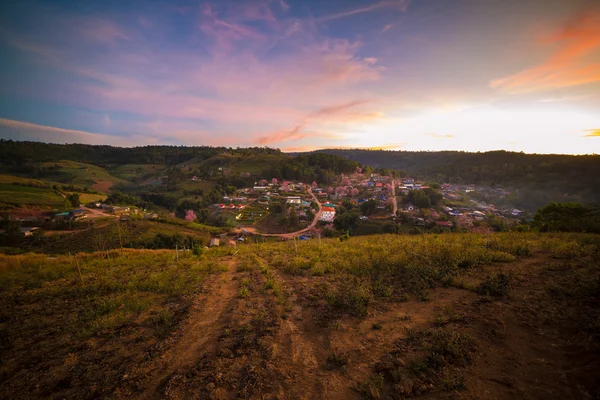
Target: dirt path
(291,235)
(209,316)
(394,200)
(524,353)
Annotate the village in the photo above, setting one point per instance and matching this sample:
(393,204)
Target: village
(288,209)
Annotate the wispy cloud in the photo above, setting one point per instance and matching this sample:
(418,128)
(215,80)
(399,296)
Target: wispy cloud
(570,64)
(401,5)
(18,130)
(340,113)
(592,133)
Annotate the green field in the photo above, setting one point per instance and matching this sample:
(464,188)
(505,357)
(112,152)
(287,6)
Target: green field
(30,196)
(131,171)
(79,173)
(90,197)
(253,164)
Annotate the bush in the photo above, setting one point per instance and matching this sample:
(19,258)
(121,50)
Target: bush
(498,285)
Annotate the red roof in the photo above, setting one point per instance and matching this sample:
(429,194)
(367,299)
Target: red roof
(379,184)
(328,209)
(443,223)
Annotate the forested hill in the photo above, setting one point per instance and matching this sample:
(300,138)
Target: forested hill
(543,176)
(12,152)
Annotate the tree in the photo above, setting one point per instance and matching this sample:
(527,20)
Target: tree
(293,219)
(346,222)
(274,181)
(368,207)
(568,217)
(190,216)
(73,198)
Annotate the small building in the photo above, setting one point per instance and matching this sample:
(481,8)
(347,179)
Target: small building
(214,242)
(61,216)
(76,215)
(151,216)
(260,188)
(444,224)
(118,209)
(419,222)
(327,214)
(293,200)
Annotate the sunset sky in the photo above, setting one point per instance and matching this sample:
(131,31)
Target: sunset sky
(473,75)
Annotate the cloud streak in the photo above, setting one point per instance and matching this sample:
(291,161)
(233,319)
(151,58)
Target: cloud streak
(340,113)
(570,64)
(592,133)
(401,5)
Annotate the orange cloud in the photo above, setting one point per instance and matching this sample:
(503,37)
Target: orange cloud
(571,63)
(592,133)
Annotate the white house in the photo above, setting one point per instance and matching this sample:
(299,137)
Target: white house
(328,214)
(293,200)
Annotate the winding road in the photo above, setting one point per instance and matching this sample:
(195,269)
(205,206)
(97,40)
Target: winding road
(291,235)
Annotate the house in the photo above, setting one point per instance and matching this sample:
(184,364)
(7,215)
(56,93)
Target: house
(327,214)
(259,188)
(214,242)
(118,210)
(444,224)
(76,215)
(124,217)
(516,213)
(61,216)
(151,216)
(419,222)
(293,200)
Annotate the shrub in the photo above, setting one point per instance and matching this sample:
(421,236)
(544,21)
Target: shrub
(497,285)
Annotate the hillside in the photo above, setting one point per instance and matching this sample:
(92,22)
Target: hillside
(499,316)
(541,178)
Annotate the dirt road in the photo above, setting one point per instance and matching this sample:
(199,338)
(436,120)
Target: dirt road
(394,200)
(291,235)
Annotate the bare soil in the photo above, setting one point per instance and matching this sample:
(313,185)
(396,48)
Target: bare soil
(242,340)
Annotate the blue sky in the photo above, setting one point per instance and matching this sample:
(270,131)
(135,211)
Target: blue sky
(417,75)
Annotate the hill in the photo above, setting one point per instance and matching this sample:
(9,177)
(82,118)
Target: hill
(387,316)
(541,178)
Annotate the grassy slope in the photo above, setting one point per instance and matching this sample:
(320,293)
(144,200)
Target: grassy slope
(364,318)
(30,196)
(130,171)
(104,233)
(81,173)
(252,164)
